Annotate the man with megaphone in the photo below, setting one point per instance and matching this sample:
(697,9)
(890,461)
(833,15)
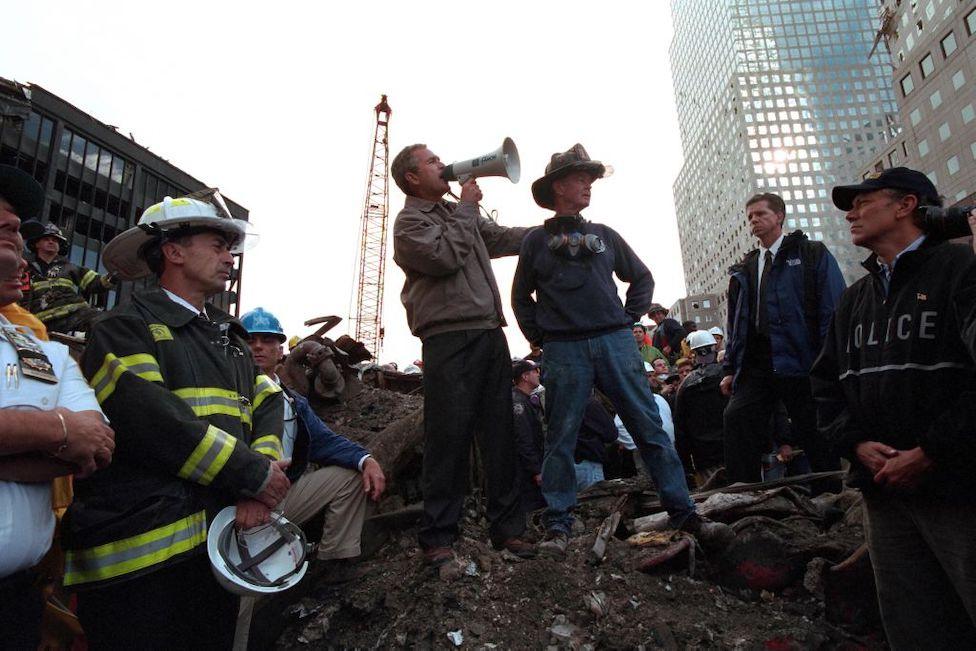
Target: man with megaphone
(585,330)
(454,306)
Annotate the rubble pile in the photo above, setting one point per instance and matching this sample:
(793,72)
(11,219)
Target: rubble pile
(792,574)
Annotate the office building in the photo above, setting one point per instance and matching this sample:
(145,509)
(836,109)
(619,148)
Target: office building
(931,45)
(772,96)
(703,309)
(97,180)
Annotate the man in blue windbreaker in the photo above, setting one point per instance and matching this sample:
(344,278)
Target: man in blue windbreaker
(781,299)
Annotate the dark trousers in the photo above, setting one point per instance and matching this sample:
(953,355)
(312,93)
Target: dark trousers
(21,607)
(923,551)
(468,394)
(747,426)
(177,607)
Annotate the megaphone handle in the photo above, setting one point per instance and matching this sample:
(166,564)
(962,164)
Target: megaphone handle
(492,216)
(463,178)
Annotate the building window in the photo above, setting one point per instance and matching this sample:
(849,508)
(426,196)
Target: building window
(923,147)
(915,116)
(907,84)
(971,22)
(707,303)
(927,64)
(968,114)
(958,80)
(933,177)
(952,165)
(936,99)
(944,132)
(972,149)
(948,44)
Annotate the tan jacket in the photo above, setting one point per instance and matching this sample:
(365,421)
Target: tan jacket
(445,250)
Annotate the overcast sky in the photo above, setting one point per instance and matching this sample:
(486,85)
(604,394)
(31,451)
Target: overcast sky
(272,103)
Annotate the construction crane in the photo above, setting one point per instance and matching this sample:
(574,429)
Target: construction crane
(371,263)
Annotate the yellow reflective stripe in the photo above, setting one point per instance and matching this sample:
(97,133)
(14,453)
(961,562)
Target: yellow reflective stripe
(264,387)
(44,285)
(141,365)
(135,553)
(87,279)
(207,401)
(269,446)
(58,312)
(209,457)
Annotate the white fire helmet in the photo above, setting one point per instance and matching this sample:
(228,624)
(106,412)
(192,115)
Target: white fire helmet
(262,560)
(700,339)
(124,254)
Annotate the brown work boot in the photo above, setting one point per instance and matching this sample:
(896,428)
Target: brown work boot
(437,556)
(519,547)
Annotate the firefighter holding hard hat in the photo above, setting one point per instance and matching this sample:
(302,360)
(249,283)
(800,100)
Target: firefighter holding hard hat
(198,430)
(60,289)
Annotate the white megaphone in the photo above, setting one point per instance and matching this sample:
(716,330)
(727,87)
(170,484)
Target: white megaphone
(504,161)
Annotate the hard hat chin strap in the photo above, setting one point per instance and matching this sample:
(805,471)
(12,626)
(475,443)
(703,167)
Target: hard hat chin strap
(247,569)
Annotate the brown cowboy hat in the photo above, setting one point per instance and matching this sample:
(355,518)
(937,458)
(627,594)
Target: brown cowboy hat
(574,159)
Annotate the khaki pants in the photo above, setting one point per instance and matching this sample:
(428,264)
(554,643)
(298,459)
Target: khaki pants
(337,491)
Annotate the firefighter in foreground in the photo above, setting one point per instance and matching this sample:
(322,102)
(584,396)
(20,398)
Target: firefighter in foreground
(59,289)
(198,429)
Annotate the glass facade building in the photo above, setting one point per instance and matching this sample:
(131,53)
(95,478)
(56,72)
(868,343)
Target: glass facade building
(772,96)
(97,181)
(931,46)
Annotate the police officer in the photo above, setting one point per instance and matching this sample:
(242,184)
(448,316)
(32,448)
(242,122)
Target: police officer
(529,431)
(896,392)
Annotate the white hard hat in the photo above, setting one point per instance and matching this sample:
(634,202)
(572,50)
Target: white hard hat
(124,255)
(262,560)
(700,339)
(716,331)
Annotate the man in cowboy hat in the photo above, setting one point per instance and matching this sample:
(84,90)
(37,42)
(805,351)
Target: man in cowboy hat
(454,306)
(585,331)
(59,289)
(199,430)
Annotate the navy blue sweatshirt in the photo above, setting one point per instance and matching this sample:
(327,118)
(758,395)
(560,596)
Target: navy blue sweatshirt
(575,296)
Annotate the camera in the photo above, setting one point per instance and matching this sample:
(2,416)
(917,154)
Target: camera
(946,223)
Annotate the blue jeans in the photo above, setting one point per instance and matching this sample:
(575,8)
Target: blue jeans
(588,473)
(612,363)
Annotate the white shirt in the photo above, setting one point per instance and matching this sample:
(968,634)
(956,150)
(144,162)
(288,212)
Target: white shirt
(179,300)
(625,439)
(26,519)
(773,250)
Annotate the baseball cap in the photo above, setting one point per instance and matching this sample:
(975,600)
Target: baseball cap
(894,178)
(522,366)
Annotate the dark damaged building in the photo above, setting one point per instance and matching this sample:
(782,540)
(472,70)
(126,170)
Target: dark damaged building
(97,180)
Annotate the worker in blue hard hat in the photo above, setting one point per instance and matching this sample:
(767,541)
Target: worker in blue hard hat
(342,464)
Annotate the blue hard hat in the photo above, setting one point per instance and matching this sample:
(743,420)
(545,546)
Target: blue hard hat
(261,322)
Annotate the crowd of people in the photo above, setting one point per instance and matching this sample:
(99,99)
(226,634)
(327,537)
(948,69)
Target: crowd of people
(186,449)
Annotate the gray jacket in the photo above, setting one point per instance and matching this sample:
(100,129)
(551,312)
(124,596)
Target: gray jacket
(445,250)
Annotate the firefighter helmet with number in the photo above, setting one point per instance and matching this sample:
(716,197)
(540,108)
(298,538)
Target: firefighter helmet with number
(262,560)
(126,253)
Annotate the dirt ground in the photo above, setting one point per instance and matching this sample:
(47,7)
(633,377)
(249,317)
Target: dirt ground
(492,600)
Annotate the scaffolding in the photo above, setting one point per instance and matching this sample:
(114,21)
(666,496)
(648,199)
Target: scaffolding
(371,262)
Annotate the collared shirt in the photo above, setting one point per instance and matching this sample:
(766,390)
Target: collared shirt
(887,270)
(773,250)
(290,430)
(26,518)
(179,300)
